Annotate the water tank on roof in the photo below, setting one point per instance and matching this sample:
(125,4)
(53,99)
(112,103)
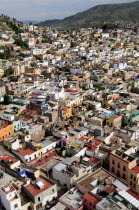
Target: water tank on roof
(40,184)
(6,188)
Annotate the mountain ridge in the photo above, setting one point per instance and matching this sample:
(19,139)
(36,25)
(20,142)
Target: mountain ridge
(100,13)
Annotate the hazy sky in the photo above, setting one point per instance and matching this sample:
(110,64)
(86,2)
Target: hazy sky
(48,9)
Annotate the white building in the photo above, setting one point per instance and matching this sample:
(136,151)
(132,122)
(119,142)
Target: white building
(9,198)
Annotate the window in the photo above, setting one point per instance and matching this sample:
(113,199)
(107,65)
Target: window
(113,169)
(134,178)
(118,173)
(134,185)
(124,168)
(131,176)
(15,205)
(131,183)
(39,198)
(124,177)
(113,162)
(118,165)
(53,190)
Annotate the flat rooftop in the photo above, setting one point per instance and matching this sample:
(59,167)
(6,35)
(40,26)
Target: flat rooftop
(34,190)
(93,180)
(73,199)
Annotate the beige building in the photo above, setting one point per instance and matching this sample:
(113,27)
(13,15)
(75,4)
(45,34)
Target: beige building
(123,164)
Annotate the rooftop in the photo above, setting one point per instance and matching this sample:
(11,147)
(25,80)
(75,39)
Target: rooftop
(35,190)
(91,198)
(114,117)
(136,169)
(27,151)
(73,198)
(8,159)
(7,189)
(97,178)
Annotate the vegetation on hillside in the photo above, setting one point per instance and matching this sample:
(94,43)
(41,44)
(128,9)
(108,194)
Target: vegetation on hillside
(100,13)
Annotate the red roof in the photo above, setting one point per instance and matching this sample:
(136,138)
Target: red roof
(114,117)
(91,198)
(26,151)
(9,191)
(27,118)
(84,138)
(71,91)
(29,111)
(135,195)
(136,169)
(34,190)
(9,159)
(64,108)
(110,188)
(97,142)
(94,160)
(34,96)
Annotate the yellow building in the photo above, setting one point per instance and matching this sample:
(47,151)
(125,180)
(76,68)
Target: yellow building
(65,112)
(16,72)
(1,72)
(106,102)
(114,121)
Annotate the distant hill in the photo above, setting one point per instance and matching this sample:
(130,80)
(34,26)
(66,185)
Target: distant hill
(100,13)
(30,21)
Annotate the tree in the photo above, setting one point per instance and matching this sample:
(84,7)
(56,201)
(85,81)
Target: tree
(20,42)
(7,99)
(8,72)
(48,132)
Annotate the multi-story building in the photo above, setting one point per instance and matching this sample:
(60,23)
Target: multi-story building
(6,130)
(123,164)
(9,198)
(41,192)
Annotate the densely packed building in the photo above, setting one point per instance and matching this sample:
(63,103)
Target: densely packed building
(69,118)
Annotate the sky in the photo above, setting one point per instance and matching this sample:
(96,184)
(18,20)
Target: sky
(48,9)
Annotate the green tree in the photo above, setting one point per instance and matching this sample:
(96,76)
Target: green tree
(8,72)
(7,99)
(20,43)
(48,132)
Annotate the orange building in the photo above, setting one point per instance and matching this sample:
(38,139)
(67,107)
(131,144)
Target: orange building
(65,112)
(6,130)
(32,71)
